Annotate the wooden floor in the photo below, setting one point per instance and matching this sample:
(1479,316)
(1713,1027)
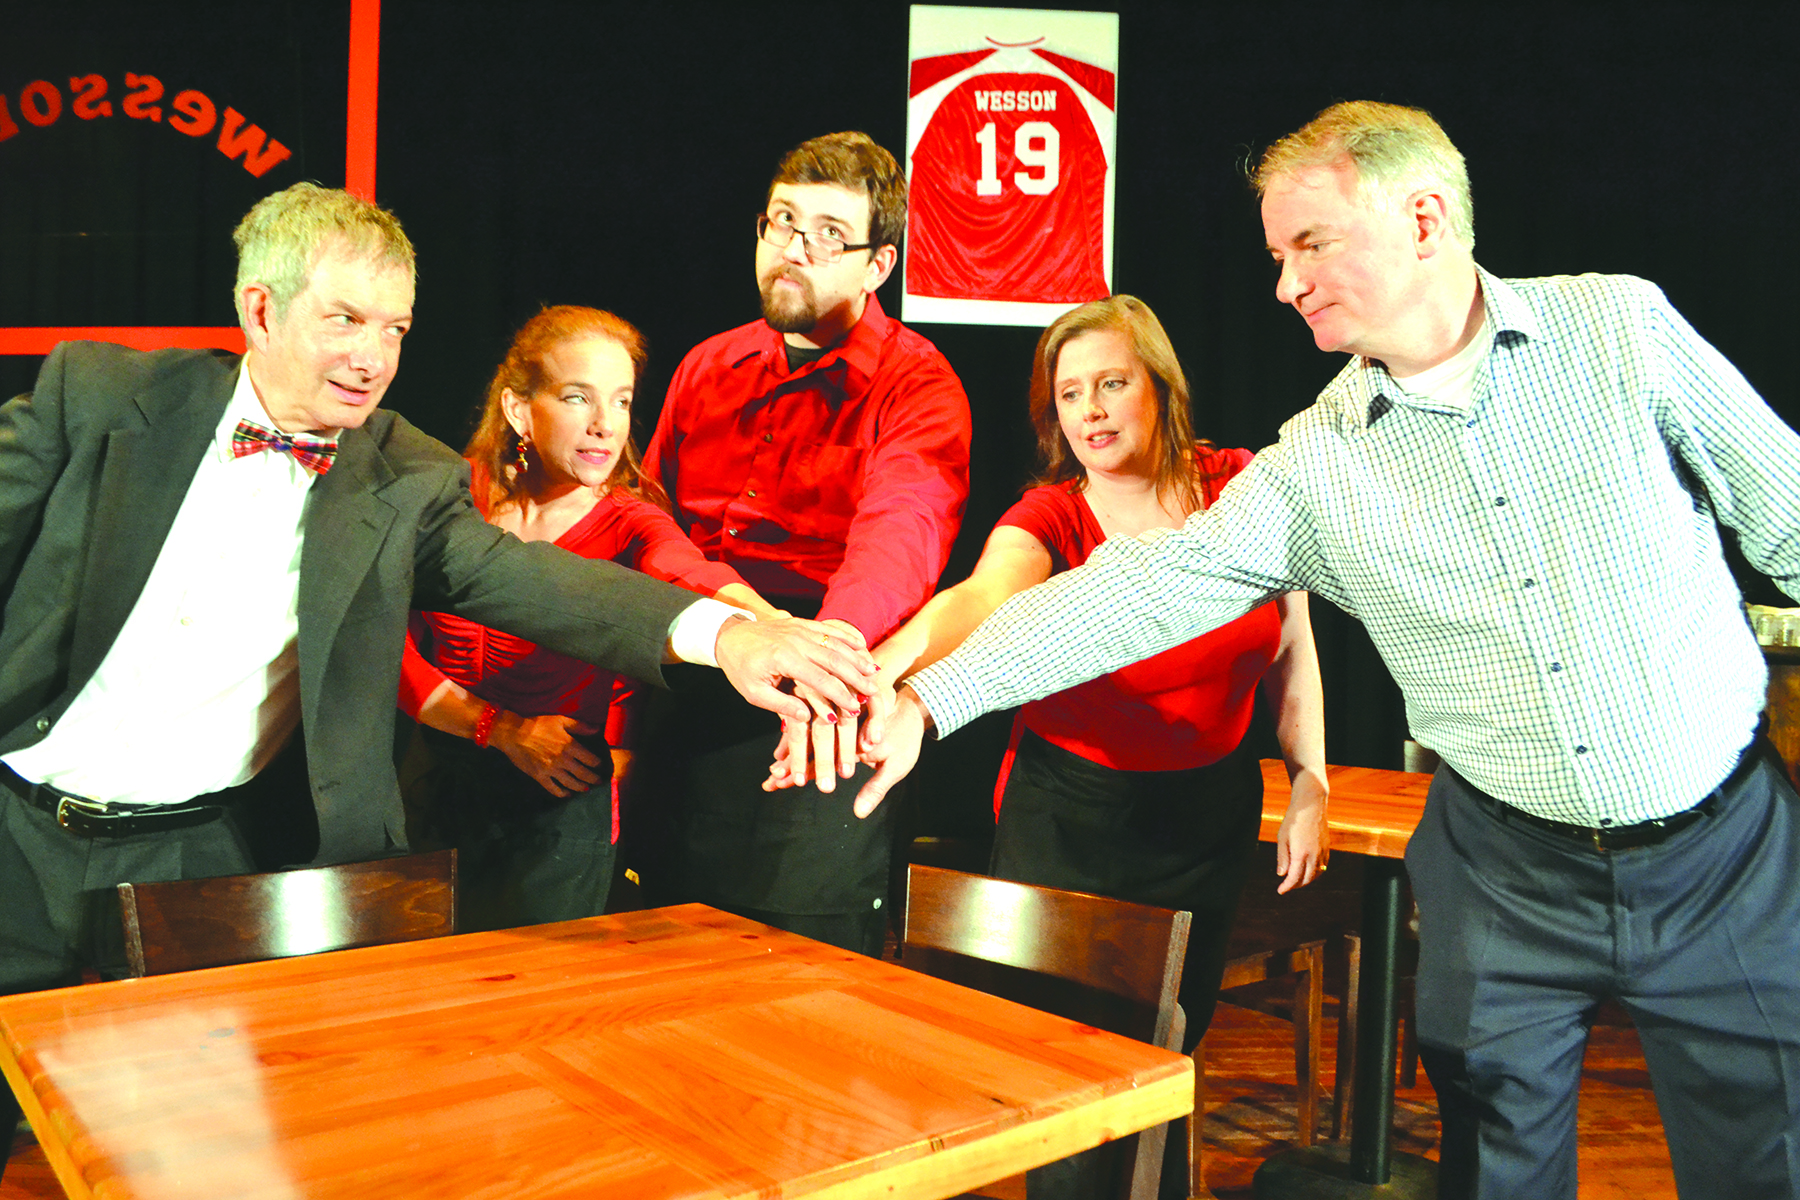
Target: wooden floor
(1250,1115)
(1250,1110)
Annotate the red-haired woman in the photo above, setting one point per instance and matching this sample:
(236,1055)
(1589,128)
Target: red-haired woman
(521,781)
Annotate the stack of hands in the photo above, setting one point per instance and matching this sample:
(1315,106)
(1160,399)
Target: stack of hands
(835,710)
(886,734)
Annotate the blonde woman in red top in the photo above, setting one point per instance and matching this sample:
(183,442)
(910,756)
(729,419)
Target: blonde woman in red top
(522,767)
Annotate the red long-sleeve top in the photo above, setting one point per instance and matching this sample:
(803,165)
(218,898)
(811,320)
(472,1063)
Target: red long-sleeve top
(516,674)
(1186,707)
(843,481)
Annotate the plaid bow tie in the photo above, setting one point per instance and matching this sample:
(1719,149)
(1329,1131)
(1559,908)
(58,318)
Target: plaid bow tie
(311,453)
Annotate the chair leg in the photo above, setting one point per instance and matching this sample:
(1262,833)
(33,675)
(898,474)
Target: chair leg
(1343,1093)
(1409,1038)
(1197,1188)
(1308,1019)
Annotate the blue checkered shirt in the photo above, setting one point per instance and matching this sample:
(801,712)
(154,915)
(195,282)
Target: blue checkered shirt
(1541,571)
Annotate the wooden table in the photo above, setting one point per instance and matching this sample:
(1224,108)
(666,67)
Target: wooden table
(672,1052)
(1373,812)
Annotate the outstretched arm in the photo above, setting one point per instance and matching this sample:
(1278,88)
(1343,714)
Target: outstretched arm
(1012,561)
(1304,841)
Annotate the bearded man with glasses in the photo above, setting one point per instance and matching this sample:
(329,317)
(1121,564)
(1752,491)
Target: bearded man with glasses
(823,452)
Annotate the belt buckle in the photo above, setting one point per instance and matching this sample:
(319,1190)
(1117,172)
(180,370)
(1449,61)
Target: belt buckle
(1600,847)
(79,806)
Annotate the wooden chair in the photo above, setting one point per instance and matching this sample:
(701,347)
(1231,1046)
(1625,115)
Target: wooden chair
(1304,1009)
(1106,963)
(186,924)
(1343,1098)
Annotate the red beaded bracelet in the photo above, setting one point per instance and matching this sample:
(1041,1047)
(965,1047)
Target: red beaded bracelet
(484,724)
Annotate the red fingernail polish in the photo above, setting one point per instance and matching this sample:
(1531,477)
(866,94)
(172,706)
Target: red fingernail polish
(831,718)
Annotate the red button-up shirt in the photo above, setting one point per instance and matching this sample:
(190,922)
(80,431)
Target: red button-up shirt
(842,481)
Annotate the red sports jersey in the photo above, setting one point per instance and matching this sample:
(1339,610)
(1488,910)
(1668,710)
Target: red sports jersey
(1008,181)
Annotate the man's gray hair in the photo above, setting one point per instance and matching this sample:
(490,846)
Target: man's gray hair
(1396,152)
(279,240)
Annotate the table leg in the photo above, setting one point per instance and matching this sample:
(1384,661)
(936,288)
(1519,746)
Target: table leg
(1370,1168)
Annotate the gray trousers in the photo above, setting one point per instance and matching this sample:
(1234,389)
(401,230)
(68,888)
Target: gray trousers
(1522,932)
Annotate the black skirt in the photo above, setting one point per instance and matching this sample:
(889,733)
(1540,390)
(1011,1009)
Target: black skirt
(1175,839)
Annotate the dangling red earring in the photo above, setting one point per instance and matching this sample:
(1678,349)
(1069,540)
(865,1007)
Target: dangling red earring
(524,465)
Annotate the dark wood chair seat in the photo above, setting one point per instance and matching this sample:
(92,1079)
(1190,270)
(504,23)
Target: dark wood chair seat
(186,924)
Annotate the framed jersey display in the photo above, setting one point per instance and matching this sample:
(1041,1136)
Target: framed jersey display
(1011,128)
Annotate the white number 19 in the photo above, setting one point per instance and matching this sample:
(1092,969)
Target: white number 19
(1036,144)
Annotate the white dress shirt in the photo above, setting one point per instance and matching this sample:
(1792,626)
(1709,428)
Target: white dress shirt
(200,689)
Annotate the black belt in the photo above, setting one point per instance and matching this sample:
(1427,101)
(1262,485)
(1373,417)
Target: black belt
(1607,838)
(90,818)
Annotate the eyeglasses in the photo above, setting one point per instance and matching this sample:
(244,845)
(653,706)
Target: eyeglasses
(818,247)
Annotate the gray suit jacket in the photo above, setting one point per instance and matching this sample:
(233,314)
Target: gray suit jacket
(93,467)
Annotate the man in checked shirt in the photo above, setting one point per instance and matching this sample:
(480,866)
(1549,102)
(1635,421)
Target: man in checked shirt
(1514,484)
(823,452)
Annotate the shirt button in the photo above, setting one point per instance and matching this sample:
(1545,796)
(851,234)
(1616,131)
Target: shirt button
(1531,583)
(768,437)
(1556,666)
(751,493)
(1581,749)
(1499,501)
(732,532)
(1471,422)
(187,620)
(43,724)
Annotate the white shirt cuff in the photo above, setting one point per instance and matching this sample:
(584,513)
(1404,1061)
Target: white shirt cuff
(695,629)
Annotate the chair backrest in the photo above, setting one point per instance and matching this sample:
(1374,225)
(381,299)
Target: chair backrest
(186,924)
(1107,963)
(1104,962)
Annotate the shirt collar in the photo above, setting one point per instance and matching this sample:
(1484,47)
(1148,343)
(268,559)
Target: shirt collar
(855,358)
(1365,390)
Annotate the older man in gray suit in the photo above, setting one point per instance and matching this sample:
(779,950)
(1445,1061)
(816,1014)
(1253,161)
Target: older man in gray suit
(206,565)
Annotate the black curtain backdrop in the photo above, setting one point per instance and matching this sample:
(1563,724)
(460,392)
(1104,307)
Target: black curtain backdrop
(116,202)
(614,154)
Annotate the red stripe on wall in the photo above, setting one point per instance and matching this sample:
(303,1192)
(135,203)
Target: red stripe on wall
(41,339)
(360,109)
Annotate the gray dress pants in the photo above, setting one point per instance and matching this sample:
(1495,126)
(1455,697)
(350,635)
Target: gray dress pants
(1522,932)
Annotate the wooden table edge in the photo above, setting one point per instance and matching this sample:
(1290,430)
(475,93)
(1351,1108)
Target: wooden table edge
(68,1174)
(951,1170)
